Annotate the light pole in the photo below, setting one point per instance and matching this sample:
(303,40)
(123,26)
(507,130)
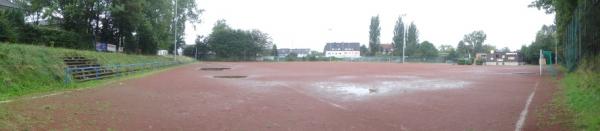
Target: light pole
(175,33)
(474,57)
(404,35)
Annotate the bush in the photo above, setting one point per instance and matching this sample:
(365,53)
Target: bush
(312,58)
(10,22)
(465,61)
(53,37)
(7,31)
(582,91)
(27,69)
(479,62)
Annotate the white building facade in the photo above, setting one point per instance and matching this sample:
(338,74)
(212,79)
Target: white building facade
(342,50)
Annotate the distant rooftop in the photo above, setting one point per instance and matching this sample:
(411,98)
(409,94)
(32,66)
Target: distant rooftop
(386,46)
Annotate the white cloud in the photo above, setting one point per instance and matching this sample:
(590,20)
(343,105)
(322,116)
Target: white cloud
(312,23)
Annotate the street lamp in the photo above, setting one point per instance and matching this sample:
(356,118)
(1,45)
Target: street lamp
(474,57)
(175,33)
(404,35)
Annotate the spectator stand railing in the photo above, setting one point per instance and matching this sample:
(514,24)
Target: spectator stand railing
(101,72)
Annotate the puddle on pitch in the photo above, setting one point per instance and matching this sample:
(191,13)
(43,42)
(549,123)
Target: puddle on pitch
(524,73)
(230,77)
(349,89)
(215,68)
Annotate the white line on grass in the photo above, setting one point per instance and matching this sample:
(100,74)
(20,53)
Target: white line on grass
(523,116)
(6,101)
(42,96)
(36,97)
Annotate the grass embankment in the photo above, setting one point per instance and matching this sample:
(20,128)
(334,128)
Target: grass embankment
(26,69)
(581,91)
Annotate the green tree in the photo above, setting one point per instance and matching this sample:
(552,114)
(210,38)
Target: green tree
(475,41)
(11,22)
(274,51)
(237,44)
(202,47)
(148,42)
(159,15)
(448,51)
(452,54)
(374,33)
(412,40)
(127,16)
(545,40)
(398,38)
(292,56)
(487,48)
(427,49)
(364,50)
(187,12)
(445,48)
(114,21)
(462,50)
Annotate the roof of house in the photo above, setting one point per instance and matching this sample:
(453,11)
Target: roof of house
(386,46)
(353,46)
(6,3)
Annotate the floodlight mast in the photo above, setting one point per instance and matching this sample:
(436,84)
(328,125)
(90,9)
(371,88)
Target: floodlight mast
(404,35)
(175,33)
(540,61)
(474,57)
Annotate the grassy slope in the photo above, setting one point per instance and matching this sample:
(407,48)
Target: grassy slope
(582,95)
(26,69)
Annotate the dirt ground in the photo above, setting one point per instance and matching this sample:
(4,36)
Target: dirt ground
(303,96)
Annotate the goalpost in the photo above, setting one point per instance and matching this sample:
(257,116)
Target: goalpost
(541,61)
(546,59)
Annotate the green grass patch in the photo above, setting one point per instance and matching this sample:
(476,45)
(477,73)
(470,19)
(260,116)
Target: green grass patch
(13,118)
(12,121)
(582,96)
(28,69)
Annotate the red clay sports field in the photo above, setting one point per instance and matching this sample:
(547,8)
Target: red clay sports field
(305,96)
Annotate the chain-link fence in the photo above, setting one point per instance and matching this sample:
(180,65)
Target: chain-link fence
(384,59)
(582,34)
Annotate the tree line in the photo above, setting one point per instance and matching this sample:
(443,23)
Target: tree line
(227,43)
(471,44)
(545,39)
(139,26)
(582,18)
(413,46)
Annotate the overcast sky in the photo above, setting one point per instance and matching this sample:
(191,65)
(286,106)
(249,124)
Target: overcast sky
(313,23)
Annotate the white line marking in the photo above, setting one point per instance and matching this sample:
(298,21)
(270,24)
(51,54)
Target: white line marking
(6,101)
(53,94)
(523,116)
(333,104)
(319,99)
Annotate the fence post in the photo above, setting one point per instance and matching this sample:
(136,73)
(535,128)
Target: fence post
(118,71)
(97,68)
(128,69)
(67,75)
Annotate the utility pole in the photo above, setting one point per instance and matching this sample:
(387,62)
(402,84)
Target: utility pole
(175,33)
(556,52)
(475,57)
(404,36)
